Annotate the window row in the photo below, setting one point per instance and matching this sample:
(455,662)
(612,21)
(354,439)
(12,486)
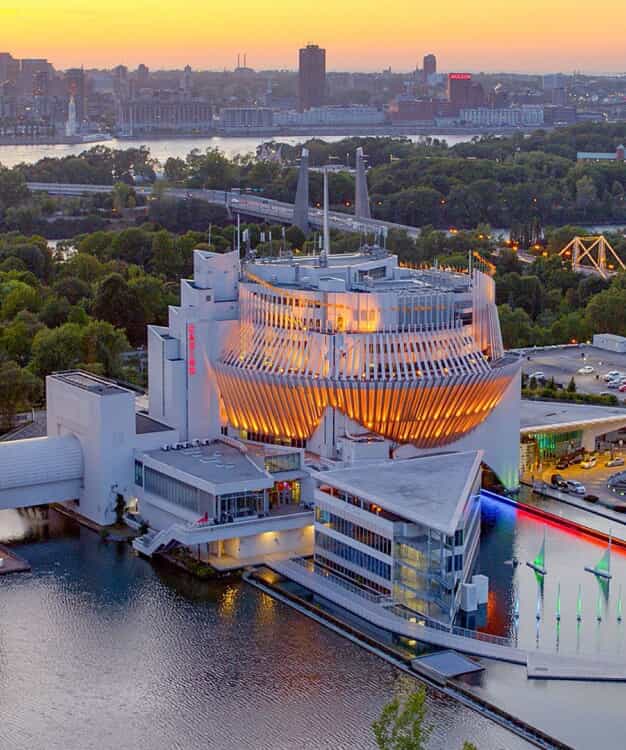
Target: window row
(171,489)
(350,574)
(354,556)
(354,531)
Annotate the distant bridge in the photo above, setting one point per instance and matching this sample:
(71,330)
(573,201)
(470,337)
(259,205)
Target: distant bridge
(239,203)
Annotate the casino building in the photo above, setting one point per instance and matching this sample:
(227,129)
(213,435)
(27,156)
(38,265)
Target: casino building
(333,408)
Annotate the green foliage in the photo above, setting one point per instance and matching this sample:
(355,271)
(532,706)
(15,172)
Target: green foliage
(19,390)
(571,386)
(401,725)
(56,349)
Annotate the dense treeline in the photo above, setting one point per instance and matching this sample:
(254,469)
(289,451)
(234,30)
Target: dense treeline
(515,181)
(88,304)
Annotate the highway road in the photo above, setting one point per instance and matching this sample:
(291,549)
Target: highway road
(242,203)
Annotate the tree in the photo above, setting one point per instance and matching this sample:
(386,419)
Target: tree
(19,389)
(72,289)
(571,386)
(166,257)
(516,327)
(116,303)
(102,344)
(13,188)
(57,349)
(401,724)
(16,339)
(54,311)
(606,312)
(21,297)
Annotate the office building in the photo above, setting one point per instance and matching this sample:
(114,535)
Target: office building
(459,85)
(311,77)
(429,68)
(241,119)
(508,117)
(329,117)
(164,112)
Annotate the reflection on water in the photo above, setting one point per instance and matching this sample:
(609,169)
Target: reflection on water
(162,149)
(588,606)
(100,649)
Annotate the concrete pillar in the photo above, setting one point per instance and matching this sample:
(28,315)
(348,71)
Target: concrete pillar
(361,200)
(301,207)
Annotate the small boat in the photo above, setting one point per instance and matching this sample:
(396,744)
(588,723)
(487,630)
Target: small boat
(538,564)
(603,568)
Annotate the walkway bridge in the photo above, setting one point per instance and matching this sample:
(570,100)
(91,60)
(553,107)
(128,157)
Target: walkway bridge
(40,471)
(188,535)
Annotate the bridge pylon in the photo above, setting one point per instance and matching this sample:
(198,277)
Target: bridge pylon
(361,199)
(301,206)
(593,253)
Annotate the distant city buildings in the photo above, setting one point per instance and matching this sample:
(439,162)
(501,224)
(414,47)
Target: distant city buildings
(511,117)
(35,100)
(311,77)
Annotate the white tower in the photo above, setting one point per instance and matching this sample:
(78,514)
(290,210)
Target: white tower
(71,128)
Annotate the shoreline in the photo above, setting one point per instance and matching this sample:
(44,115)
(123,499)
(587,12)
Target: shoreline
(361,131)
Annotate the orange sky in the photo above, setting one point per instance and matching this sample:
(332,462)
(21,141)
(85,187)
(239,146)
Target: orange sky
(534,35)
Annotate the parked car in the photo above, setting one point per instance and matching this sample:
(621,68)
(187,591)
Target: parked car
(617,461)
(586,370)
(612,375)
(614,384)
(622,388)
(558,482)
(576,458)
(591,498)
(575,487)
(537,375)
(562,463)
(589,462)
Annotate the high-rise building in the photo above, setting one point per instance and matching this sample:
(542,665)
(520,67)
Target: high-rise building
(142,76)
(459,90)
(429,66)
(185,83)
(9,68)
(311,77)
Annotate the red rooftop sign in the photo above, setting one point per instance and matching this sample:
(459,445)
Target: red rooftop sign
(460,76)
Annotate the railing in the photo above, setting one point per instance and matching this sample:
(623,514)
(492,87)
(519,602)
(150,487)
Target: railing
(341,582)
(412,617)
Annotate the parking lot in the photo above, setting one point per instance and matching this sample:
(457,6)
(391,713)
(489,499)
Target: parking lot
(595,480)
(561,364)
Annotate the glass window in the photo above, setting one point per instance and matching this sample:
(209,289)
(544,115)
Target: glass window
(139,473)
(171,489)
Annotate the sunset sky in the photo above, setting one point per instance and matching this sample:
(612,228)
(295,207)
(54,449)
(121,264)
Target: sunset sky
(489,35)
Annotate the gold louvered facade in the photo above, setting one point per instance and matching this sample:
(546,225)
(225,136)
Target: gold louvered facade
(426,378)
(424,414)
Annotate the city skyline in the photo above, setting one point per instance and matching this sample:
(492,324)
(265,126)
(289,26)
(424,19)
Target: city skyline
(72,34)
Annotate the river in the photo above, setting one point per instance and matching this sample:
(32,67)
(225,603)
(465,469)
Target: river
(176,147)
(102,650)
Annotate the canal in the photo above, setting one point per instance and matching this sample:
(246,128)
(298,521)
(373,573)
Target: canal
(100,649)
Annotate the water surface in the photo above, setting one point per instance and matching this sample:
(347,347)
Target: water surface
(101,650)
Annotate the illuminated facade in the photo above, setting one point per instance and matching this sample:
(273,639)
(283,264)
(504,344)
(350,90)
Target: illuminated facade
(318,352)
